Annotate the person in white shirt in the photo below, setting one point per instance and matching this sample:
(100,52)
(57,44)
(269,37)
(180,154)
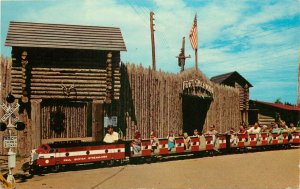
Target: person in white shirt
(111,136)
(254,130)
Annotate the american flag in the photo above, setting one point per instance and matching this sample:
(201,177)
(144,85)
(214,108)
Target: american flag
(194,34)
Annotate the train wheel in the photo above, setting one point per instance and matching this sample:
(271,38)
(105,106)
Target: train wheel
(110,163)
(154,159)
(55,168)
(33,170)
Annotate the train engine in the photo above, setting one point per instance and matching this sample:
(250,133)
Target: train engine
(55,155)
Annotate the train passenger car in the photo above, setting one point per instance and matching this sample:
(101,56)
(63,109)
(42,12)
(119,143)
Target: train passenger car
(76,152)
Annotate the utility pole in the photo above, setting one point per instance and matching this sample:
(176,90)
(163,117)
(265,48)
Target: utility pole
(152,40)
(298,96)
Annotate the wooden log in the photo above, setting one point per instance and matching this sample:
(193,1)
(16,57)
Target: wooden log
(80,93)
(57,88)
(77,85)
(89,97)
(64,73)
(65,81)
(35,82)
(64,77)
(70,70)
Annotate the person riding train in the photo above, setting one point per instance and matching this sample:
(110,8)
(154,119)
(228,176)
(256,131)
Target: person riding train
(136,142)
(212,132)
(255,129)
(196,133)
(111,136)
(171,140)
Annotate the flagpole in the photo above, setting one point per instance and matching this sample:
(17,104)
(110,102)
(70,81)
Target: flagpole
(196,58)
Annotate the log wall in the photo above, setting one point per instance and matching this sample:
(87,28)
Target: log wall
(49,83)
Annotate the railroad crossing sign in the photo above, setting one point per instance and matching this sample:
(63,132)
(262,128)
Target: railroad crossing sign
(9,112)
(10,141)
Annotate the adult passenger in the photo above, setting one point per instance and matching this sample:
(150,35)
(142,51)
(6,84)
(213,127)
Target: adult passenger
(136,143)
(111,136)
(242,130)
(292,128)
(264,129)
(255,129)
(153,140)
(276,129)
(187,141)
(231,131)
(212,132)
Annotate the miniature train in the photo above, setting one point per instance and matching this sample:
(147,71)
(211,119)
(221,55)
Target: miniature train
(56,155)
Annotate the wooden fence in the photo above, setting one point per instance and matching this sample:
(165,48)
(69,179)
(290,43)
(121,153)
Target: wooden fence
(152,101)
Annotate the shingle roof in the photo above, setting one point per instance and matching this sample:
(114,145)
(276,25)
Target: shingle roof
(281,106)
(27,34)
(220,79)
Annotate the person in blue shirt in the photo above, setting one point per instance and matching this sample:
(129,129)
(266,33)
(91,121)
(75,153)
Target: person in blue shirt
(171,140)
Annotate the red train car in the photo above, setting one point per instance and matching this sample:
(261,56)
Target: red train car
(75,152)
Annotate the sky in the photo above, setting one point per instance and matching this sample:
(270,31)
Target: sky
(260,39)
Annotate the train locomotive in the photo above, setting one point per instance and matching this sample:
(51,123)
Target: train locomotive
(58,154)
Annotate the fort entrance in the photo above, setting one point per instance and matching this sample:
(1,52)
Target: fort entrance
(196,99)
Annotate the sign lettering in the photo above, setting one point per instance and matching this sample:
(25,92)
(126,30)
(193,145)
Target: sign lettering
(196,86)
(10,141)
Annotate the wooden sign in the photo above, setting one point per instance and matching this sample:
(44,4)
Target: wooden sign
(196,86)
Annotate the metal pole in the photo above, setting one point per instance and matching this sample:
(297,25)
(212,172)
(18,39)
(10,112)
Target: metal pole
(152,40)
(11,159)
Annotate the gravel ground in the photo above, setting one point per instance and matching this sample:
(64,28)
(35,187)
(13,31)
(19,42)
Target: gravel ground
(257,170)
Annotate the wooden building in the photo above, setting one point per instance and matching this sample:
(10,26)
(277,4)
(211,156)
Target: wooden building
(234,79)
(266,113)
(67,78)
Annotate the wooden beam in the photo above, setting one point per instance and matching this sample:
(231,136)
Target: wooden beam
(36,123)
(98,121)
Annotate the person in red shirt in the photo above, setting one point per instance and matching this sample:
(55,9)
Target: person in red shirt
(136,143)
(242,130)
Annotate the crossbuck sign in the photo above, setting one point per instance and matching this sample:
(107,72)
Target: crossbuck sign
(9,112)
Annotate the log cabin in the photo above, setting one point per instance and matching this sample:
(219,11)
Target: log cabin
(234,79)
(66,77)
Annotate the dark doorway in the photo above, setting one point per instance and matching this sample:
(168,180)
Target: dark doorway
(194,111)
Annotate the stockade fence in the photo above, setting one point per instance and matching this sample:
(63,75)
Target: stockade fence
(152,101)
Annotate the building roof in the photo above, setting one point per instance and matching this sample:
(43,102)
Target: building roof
(222,79)
(27,34)
(277,105)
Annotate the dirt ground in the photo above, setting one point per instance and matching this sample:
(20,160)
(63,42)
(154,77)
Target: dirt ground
(257,170)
